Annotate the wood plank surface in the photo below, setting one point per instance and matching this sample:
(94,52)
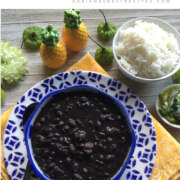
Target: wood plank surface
(13,22)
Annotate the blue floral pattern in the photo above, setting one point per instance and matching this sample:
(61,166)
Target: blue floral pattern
(141,163)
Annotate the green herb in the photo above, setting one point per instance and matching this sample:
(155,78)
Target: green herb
(176,77)
(72,18)
(50,36)
(169,104)
(106,30)
(12,64)
(32,37)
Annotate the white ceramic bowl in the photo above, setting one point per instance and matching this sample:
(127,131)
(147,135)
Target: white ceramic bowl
(157,107)
(165,26)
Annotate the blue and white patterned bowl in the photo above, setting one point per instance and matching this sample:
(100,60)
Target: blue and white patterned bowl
(42,104)
(142,161)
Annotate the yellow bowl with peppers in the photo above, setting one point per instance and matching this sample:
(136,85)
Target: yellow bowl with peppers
(168,105)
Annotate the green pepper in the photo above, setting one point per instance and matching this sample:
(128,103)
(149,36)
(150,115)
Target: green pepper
(32,37)
(106,30)
(104,56)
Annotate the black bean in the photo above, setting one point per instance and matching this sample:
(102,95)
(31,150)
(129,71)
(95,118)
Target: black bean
(76,135)
(58,146)
(78,176)
(59,113)
(54,105)
(68,160)
(37,126)
(45,153)
(42,120)
(88,151)
(90,122)
(99,162)
(109,139)
(57,107)
(109,117)
(98,124)
(119,117)
(97,110)
(114,146)
(57,134)
(54,139)
(84,170)
(72,148)
(81,135)
(53,153)
(91,157)
(56,119)
(107,174)
(100,104)
(105,109)
(88,145)
(56,169)
(80,153)
(64,151)
(110,157)
(50,159)
(122,139)
(102,134)
(61,123)
(66,128)
(114,130)
(71,122)
(52,165)
(81,145)
(78,103)
(102,118)
(101,156)
(42,140)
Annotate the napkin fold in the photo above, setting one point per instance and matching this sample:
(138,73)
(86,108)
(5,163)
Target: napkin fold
(167,163)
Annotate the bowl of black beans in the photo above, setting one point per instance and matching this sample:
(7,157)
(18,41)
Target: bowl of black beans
(79,133)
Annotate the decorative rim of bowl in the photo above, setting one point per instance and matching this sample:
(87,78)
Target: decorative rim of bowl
(28,128)
(154,20)
(164,119)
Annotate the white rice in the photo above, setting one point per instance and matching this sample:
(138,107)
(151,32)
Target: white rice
(147,51)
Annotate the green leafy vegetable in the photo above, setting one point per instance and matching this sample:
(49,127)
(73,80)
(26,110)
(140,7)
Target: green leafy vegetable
(106,30)
(12,64)
(32,37)
(176,77)
(2,95)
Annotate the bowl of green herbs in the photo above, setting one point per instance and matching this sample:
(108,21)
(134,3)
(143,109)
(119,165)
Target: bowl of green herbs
(168,105)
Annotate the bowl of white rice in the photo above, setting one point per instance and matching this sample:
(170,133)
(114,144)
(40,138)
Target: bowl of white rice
(147,49)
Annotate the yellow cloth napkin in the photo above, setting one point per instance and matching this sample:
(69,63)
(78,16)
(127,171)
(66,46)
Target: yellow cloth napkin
(167,164)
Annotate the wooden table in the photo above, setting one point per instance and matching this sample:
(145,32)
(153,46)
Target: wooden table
(15,21)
